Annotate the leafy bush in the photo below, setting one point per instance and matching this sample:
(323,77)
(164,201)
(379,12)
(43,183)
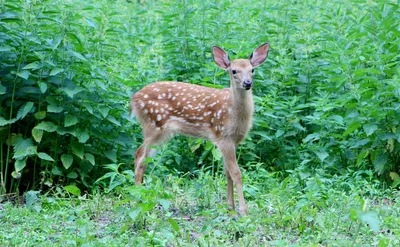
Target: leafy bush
(61,114)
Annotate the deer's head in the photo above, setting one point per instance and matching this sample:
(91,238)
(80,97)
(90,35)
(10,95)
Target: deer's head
(241,70)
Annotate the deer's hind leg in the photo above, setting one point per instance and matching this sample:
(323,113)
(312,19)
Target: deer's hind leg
(150,139)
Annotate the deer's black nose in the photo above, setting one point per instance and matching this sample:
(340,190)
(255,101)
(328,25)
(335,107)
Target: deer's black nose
(247,84)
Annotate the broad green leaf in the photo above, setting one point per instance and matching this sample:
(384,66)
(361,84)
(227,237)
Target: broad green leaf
(113,120)
(164,203)
(24,74)
(56,71)
(146,207)
(57,171)
(42,86)
(174,225)
(361,157)
(2,89)
(279,133)
(104,111)
(82,136)
(40,115)
(70,120)
(72,175)
(23,148)
(45,156)
(370,129)
(394,176)
(46,126)
(313,137)
(4,122)
(90,158)
(78,55)
(67,160)
(33,66)
(32,201)
(372,219)
(297,125)
(71,91)
(16,175)
(54,109)
(263,135)
(73,190)
(111,154)
(77,149)
(25,109)
(383,242)
(380,162)
(37,134)
(20,164)
(4,48)
(322,155)
(135,213)
(88,107)
(361,143)
(351,128)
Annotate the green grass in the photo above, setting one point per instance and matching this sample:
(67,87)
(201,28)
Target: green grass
(307,211)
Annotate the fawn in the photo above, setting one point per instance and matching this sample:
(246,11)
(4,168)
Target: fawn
(223,116)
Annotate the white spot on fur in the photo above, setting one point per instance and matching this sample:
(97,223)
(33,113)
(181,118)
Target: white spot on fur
(159,117)
(145,96)
(219,114)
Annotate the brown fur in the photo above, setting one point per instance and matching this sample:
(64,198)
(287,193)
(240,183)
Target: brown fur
(223,116)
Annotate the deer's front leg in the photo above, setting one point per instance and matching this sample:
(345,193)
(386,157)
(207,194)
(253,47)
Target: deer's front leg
(228,150)
(229,197)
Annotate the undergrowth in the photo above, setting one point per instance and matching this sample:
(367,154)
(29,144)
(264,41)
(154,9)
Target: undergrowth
(300,210)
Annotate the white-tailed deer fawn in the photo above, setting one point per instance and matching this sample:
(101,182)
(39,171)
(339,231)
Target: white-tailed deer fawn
(223,116)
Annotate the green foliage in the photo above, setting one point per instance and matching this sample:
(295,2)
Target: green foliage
(327,98)
(61,110)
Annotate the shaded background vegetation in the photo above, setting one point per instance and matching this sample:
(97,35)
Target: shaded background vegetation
(327,99)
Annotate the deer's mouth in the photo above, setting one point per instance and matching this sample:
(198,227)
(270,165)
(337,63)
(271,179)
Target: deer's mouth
(247,86)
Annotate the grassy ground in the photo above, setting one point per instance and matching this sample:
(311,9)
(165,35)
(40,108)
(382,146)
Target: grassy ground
(174,211)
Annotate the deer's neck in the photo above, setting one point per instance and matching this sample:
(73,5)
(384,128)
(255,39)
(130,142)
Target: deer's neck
(242,103)
(242,112)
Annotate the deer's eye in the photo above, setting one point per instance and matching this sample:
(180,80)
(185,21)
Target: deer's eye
(252,71)
(234,71)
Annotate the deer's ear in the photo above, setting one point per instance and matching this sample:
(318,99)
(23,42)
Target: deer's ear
(221,58)
(259,55)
